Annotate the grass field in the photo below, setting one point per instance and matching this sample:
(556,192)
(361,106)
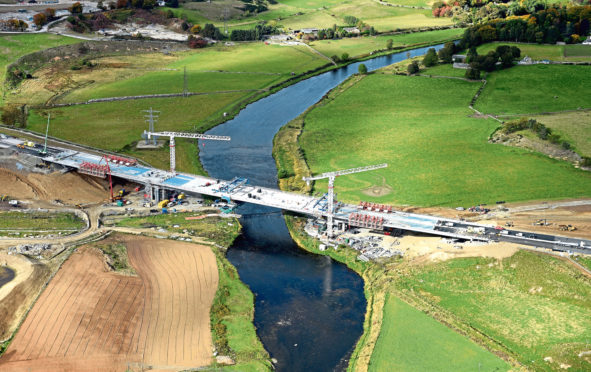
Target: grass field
(574,127)
(314,13)
(535,51)
(14,46)
(437,153)
(535,305)
(537,88)
(215,229)
(444,70)
(411,340)
(17,223)
(577,50)
(363,45)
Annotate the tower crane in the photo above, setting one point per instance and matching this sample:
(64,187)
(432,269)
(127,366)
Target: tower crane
(331,177)
(172,135)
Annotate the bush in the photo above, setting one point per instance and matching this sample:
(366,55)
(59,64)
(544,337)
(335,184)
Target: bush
(14,116)
(473,73)
(39,19)
(345,57)
(566,145)
(586,161)
(413,68)
(76,8)
(362,69)
(389,44)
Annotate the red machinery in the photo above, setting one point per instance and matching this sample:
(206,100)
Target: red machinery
(98,170)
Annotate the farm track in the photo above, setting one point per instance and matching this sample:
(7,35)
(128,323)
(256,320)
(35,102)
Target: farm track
(91,319)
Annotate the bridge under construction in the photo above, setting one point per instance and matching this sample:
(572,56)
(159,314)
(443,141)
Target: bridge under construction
(159,184)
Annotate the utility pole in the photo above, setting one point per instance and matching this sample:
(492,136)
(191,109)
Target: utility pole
(172,135)
(151,118)
(46,132)
(185,87)
(331,199)
(226,15)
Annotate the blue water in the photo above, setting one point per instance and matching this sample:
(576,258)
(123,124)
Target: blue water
(6,275)
(309,310)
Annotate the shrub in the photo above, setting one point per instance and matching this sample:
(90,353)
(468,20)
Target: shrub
(345,57)
(473,73)
(362,69)
(413,68)
(430,58)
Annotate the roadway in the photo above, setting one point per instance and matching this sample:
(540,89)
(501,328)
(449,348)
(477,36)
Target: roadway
(238,190)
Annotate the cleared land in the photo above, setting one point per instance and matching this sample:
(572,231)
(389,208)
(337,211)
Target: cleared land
(411,340)
(535,89)
(437,152)
(535,305)
(89,318)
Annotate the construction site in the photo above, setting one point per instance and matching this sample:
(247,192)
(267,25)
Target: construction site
(61,332)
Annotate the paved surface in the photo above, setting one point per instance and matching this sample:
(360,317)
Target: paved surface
(304,204)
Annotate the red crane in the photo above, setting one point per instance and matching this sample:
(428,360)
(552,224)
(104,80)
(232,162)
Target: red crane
(109,173)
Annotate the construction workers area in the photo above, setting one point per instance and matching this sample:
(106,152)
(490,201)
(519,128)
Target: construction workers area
(160,187)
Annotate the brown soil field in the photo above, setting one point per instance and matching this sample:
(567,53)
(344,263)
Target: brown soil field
(71,188)
(90,318)
(18,294)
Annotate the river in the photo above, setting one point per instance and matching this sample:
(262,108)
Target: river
(309,309)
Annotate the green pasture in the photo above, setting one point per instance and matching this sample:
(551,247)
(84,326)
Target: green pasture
(535,305)
(16,223)
(577,50)
(438,154)
(574,127)
(364,45)
(444,70)
(536,89)
(411,340)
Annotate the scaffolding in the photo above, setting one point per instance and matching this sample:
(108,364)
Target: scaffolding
(366,220)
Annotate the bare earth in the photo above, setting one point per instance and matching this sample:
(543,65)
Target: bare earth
(92,319)
(71,188)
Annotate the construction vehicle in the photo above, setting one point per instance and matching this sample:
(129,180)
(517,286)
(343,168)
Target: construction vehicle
(30,144)
(509,224)
(3,197)
(20,146)
(163,203)
(567,228)
(541,222)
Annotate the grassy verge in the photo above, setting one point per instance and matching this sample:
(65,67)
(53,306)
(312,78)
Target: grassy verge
(17,223)
(116,254)
(221,231)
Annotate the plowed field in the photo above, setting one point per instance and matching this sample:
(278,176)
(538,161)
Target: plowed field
(89,318)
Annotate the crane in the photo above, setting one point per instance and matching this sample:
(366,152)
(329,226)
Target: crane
(331,177)
(172,135)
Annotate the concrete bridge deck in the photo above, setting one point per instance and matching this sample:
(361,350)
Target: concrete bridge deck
(157,180)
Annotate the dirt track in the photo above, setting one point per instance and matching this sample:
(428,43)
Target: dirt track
(91,319)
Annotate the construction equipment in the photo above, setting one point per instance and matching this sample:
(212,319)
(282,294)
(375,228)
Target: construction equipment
(331,199)
(567,227)
(163,203)
(172,135)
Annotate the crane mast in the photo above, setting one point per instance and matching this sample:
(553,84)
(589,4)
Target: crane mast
(172,135)
(331,178)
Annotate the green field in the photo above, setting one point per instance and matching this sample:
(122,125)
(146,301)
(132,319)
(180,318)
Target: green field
(19,223)
(535,305)
(535,51)
(536,89)
(577,50)
(574,127)
(364,45)
(13,47)
(218,230)
(437,153)
(292,15)
(411,340)
(445,70)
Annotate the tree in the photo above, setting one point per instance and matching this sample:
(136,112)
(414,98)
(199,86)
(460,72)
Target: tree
(76,8)
(39,19)
(507,60)
(211,32)
(345,57)
(173,3)
(121,4)
(446,53)
(430,58)
(14,115)
(413,68)
(101,5)
(195,29)
(362,69)
(389,44)
(473,74)
(49,13)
